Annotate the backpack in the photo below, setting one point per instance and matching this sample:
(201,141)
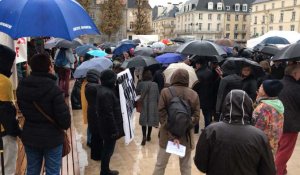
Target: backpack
(179,115)
(61,58)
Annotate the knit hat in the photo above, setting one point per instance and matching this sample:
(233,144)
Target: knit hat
(272,87)
(108,78)
(7,58)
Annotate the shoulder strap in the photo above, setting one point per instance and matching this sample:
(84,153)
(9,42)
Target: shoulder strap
(45,115)
(172,91)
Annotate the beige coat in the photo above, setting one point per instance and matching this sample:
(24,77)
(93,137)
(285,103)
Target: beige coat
(179,80)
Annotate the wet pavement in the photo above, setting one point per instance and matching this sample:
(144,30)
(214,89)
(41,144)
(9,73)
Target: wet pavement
(134,159)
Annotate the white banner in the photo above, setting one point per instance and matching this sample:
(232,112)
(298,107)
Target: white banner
(21,50)
(127,100)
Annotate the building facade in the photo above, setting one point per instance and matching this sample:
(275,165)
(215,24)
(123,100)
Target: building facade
(268,15)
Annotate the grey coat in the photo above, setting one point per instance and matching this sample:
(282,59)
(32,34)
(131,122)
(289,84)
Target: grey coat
(149,114)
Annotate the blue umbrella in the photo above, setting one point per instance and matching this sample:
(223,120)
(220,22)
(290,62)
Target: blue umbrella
(34,18)
(82,50)
(170,58)
(97,53)
(124,46)
(100,64)
(275,40)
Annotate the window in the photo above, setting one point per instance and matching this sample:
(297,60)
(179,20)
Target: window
(92,15)
(255,20)
(263,19)
(254,31)
(295,2)
(235,36)
(131,25)
(264,6)
(236,27)
(282,3)
(280,28)
(209,16)
(281,17)
(236,17)
(237,7)
(200,26)
(219,17)
(227,35)
(271,18)
(210,6)
(256,8)
(228,17)
(244,27)
(200,16)
(244,17)
(292,27)
(243,36)
(218,26)
(227,27)
(293,16)
(262,30)
(228,8)
(219,6)
(271,28)
(209,26)
(273,5)
(245,7)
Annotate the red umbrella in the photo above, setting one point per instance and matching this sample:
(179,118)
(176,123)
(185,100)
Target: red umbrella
(166,41)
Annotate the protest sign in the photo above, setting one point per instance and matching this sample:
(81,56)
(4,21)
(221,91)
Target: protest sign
(21,50)
(127,100)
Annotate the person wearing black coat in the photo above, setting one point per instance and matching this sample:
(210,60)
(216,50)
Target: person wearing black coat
(277,70)
(233,146)
(110,118)
(290,97)
(93,79)
(249,82)
(43,139)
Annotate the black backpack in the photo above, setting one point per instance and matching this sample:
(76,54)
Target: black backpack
(179,115)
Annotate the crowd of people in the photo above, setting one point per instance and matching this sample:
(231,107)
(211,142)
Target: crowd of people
(251,122)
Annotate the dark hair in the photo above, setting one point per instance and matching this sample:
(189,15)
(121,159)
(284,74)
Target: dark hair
(147,75)
(87,57)
(40,62)
(108,50)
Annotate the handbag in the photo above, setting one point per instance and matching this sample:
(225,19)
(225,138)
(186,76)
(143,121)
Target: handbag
(139,102)
(66,145)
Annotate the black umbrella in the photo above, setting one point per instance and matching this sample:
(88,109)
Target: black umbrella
(215,59)
(171,49)
(289,53)
(137,41)
(201,48)
(143,51)
(181,40)
(266,49)
(139,61)
(239,63)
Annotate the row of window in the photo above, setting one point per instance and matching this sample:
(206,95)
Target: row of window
(209,17)
(237,7)
(273,5)
(209,27)
(271,18)
(292,28)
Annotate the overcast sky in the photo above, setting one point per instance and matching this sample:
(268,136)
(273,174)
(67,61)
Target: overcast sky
(163,2)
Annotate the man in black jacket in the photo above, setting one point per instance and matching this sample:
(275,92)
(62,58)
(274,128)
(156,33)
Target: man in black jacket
(43,139)
(290,97)
(110,118)
(9,128)
(233,146)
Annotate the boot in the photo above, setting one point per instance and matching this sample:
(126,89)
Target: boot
(110,172)
(144,141)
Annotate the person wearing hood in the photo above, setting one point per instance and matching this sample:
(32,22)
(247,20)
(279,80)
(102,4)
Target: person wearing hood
(269,112)
(179,81)
(290,97)
(110,118)
(249,82)
(230,81)
(233,146)
(43,139)
(96,143)
(9,129)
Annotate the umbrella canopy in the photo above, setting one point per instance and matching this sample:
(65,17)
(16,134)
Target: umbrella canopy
(193,79)
(99,64)
(171,49)
(82,50)
(216,59)
(170,58)
(143,51)
(201,48)
(106,45)
(181,40)
(166,41)
(62,43)
(275,40)
(225,42)
(139,61)
(159,46)
(267,49)
(137,41)
(55,18)
(97,53)
(124,46)
(239,63)
(289,53)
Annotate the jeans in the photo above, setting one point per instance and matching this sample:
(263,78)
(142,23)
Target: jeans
(107,152)
(35,159)
(10,153)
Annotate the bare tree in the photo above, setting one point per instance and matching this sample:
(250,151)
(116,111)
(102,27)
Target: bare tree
(85,4)
(142,24)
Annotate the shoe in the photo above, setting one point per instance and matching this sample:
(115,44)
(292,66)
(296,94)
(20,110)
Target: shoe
(148,138)
(110,172)
(143,142)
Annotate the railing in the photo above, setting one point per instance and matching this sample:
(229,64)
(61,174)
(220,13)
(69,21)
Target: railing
(198,31)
